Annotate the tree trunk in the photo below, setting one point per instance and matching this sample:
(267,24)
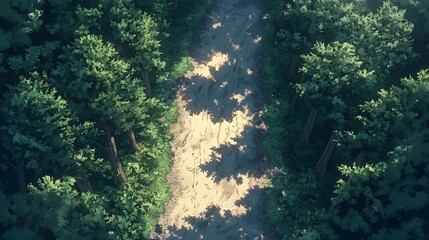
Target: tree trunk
(360,157)
(147,83)
(20,176)
(175,5)
(327,153)
(292,66)
(295,96)
(279,12)
(83,184)
(117,170)
(20,173)
(133,141)
(305,137)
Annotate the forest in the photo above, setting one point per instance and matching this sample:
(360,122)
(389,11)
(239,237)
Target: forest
(87,99)
(86,105)
(348,118)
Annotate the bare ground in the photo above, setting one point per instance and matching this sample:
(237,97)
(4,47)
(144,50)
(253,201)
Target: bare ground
(219,175)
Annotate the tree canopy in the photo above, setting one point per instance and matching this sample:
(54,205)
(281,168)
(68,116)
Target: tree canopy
(86,106)
(363,87)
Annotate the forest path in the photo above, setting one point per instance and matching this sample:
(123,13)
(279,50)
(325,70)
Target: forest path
(219,174)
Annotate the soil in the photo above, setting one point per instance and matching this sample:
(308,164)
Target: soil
(220,175)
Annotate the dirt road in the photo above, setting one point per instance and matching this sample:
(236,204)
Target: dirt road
(219,173)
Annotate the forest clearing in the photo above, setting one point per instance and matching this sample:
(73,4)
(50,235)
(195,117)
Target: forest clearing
(218,176)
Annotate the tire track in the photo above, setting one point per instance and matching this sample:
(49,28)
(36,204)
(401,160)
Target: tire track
(217,179)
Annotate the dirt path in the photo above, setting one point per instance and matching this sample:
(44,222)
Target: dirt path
(219,174)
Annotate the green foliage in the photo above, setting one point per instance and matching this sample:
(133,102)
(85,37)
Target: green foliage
(337,78)
(140,32)
(184,27)
(41,131)
(420,10)
(274,141)
(96,54)
(68,213)
(386,33)
(20,36)
(141,200)
(292,204)
(347,50)
(55,208)
(104,82)
(396,113)
(388,200)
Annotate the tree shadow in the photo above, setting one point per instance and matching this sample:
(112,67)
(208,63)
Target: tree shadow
(229,87)
(233,160)
(215,223)
(224,84)
(225,65)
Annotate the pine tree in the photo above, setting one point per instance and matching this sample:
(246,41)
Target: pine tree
(40,133)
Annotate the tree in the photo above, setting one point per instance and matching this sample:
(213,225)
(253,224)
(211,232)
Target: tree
(41,134)
(337,79)
(386,33)
(19,21)
(382,42)
(395,114)
(98,81)
(419,11)
(308,22)
(138,32)
(135,198)
(54,209)
(293,205)
(45,134)
(387,200)
(138,37)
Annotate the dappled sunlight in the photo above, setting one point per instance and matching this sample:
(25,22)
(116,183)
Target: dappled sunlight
(235,46)
(216,25)
(240,97)
(204,70)
(223,84)
(257,39)
(217,149)
(218,177)
(224,194)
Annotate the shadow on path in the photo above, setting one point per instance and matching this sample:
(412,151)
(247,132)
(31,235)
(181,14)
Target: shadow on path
(220,175)
(227,58)
(215,224)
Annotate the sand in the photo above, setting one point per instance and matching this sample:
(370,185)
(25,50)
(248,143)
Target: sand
(219,176)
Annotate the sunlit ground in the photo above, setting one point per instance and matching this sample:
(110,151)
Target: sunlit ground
(217,174)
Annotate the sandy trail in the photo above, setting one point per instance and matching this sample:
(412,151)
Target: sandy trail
(219,173)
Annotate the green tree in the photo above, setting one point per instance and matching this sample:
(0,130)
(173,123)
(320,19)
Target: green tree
(53,209)
(293,205)
(40,133)
(141,199)
(140,36)
(386,33)
(337,79)
(388,200)
(306,22)
(395,114)
(21,19)
(419,11)
(100,82)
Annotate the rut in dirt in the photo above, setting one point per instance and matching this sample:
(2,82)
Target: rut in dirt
(219,176)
